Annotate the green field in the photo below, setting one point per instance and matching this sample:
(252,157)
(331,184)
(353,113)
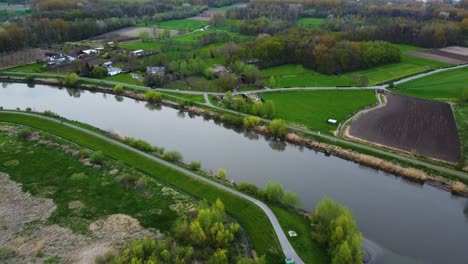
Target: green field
(309,22)
(461,116)
(124,78)
(409,65)
(447,86)
(311,109)
(35,67)
(48,172)
(290,75)
(252,218)
(192,97)
(179,24)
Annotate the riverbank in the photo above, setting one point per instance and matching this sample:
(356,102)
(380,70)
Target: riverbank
(417,174)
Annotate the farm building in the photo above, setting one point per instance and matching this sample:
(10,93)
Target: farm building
(159,71)
(60,58)
(138,53)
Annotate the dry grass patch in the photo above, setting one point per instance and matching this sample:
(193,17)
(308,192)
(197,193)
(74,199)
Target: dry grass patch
(459,188)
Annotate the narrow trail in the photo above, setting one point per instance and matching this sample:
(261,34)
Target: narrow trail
(287,248)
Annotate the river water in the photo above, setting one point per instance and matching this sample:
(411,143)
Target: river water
(413,223)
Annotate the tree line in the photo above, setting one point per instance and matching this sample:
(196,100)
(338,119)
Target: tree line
(325,53)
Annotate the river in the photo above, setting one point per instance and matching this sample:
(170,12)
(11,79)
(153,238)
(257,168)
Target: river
(413,223)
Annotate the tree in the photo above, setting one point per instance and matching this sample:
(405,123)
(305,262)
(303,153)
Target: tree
(195,165)
(222,174)
(274,192)
(270,109)
(72,79)
(272,82)
(251,121)
(290,199)
(153,96)
(144,36)
(219,257)
(118,89)
(343,255)
(278,128)
(228,51)
(99,72)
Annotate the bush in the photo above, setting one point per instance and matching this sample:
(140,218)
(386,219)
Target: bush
(336,230)
(249,188)
(274,192)
(99,72)
(78,176)
(195,165)
(251,121)
(222,174)
(97,157)
(51,114)
(118,89)
(278,128)
(173,156)
(72,79)
(83,153)
(24,133)
(153,97)
(233,119)
(139,144)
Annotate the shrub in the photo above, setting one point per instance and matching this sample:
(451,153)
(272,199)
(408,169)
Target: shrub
(274,192)
(24,133)
(139,144)
(153,97)
(72,79)
(173,156)
(28,109)
(233,119)
(336,230)
(83,153)
(118,89)
(78,176)
(222,174)
(99,72)
(51,114)
(97,157)
(251,121)
(249,188)
(278,128)
(195,165)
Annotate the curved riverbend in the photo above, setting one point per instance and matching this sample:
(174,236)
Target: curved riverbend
(421,222)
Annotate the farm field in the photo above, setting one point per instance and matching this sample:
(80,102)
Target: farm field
(311,109)
(454,54)
(192,97)
(309,22)
(446,86)
(409,65)
(179,24)
(290,75)
(34,67)
(461,116)
(411,124)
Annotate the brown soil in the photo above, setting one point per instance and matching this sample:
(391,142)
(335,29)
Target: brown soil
(24,234)
(130,33)
(442,56)
(414,125)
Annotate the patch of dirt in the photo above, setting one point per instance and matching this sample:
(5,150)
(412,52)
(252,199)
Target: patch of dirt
(76,205)
(452,55)
(118,227)
(418,126)
(18,208)
(11,163)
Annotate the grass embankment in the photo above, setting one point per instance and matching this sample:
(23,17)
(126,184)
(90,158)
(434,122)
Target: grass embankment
(190,97)
(290,75)
(250,216)
(125,78)
(409,65)
(49,172)
(309,22)
(312,108)
(303,242)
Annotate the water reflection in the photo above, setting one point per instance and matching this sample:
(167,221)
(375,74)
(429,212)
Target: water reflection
(153,106)
(119,98)
(181,114)
(277,145)
(73,92)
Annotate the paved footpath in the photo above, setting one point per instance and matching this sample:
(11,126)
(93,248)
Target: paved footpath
(287,248)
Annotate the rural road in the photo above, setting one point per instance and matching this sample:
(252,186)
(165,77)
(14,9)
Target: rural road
(287,248)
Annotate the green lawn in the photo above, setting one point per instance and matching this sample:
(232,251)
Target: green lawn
(305,246)
(447,86)
(409,65)
(311,109)
(252,218)
(124,78)
(49,172)
(309,22)
(290,75)
(179,24)
(461,116)
(192,97)
(35,67)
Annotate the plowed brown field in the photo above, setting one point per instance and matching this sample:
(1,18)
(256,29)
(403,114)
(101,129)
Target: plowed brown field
(415,125)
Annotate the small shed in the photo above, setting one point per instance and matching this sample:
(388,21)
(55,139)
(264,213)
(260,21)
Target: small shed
(138,53)
(107,64)
(332,121)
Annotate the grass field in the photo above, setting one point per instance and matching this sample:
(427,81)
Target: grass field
(124,78)
(311,109)
(290,75)
(49,172)
(447,86)
(249,215)
(309,22)
(306,247)
(409,65)
(461,116)
(192,97)
(179,24)
(35,67)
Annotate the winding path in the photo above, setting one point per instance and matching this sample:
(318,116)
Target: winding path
(287,248)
